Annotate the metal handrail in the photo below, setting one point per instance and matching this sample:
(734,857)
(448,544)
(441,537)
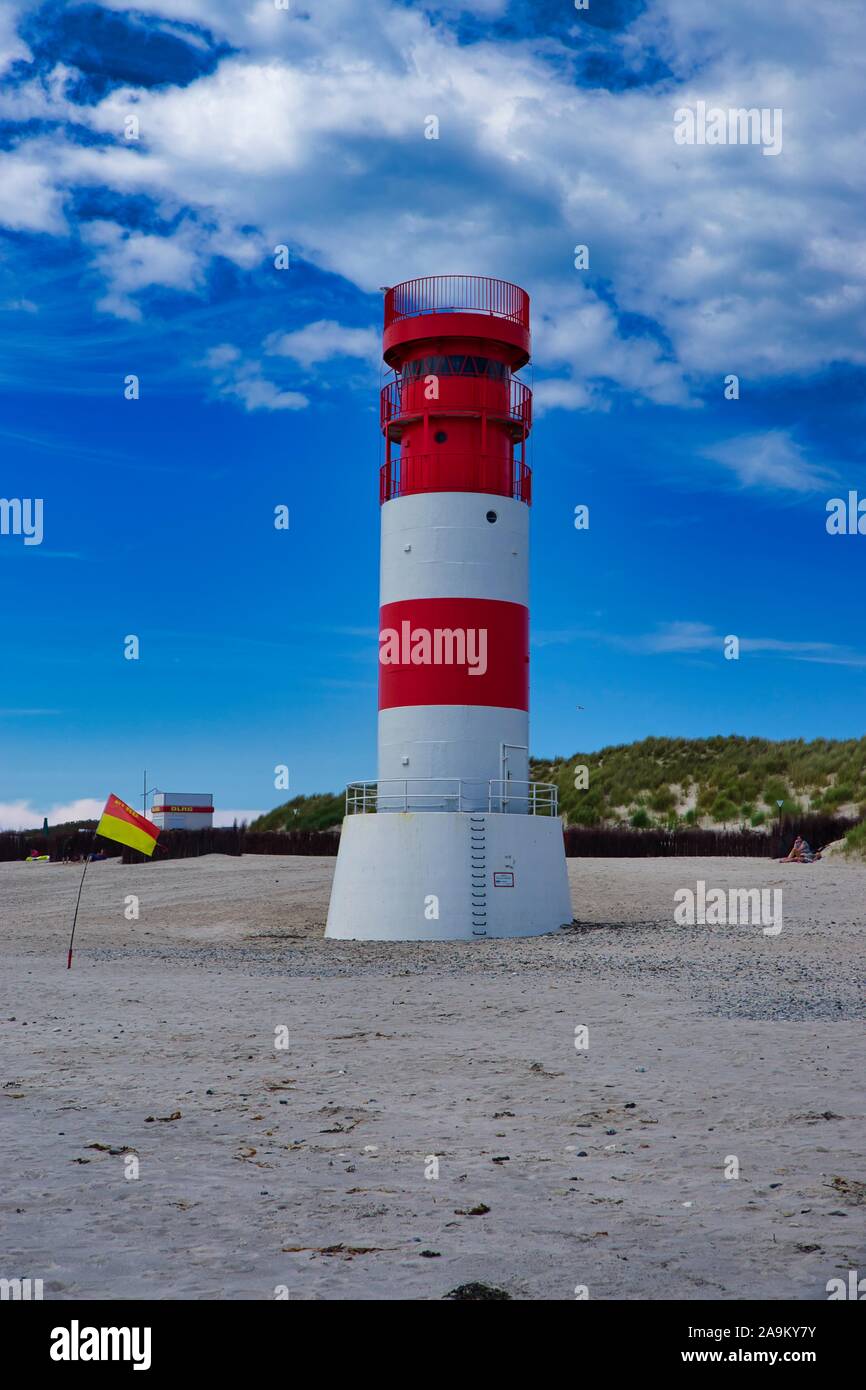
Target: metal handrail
(539,798)
(365,796)
(478,472)
(488,399)
(443,294)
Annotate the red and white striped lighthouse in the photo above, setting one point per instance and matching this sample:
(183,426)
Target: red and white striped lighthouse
(463,843)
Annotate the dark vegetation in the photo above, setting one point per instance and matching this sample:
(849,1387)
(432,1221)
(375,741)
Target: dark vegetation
(612,842)
(581,842)
(63,841)
(188,844)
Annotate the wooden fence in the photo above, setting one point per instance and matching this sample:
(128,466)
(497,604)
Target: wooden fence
(581,842)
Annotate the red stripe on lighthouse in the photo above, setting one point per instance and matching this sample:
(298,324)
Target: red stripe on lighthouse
(454,651)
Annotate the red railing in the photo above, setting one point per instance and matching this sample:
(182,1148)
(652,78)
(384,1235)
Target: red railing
(477,473)
(444,294)
(499,401)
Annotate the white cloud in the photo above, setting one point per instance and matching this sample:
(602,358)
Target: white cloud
(565,394)
(30,200)
(324,339)
(241,377)
(18,815)
(698,637)
(573,326)
(12,47)
(257,393)
(22,815)
(771,459)
(222,355)
(131,261)
(680,637)
(314,134)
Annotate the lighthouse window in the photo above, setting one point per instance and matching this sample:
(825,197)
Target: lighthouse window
(457,365)
(491,517)
(488,367)
(440,436)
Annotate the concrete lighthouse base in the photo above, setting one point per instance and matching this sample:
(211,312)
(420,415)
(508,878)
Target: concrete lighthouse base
(448,876)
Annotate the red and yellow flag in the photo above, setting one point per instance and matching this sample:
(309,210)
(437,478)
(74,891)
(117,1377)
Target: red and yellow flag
(119,822)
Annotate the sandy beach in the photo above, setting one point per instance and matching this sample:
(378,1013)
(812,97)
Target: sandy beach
(305,1168)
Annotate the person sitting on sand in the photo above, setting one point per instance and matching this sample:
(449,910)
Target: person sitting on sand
(801,853)
(793,855)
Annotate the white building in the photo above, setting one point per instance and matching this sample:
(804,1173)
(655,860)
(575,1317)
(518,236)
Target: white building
(182,810)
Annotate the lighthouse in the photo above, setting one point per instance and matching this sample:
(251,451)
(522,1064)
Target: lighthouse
(452,840)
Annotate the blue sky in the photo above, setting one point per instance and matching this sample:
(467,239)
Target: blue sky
(258,387)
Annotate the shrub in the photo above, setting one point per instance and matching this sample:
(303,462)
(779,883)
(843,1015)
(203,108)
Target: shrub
(855,841)
(774,790)
(835,796)
(663,800)
(723,809)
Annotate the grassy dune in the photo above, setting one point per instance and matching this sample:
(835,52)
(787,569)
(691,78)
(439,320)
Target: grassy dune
(710,781)
(666,782)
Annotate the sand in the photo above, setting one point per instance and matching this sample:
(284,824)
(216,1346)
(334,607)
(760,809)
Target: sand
(264,1170)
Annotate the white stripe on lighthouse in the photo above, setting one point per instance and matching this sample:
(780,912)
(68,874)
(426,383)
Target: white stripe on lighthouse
(453,550)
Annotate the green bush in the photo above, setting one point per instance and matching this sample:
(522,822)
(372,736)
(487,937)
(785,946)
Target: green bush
(835,796)
(774,790)
(723,809)
(855,841)
(663,800)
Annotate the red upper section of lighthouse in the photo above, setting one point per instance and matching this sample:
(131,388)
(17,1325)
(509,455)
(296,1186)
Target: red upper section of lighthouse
(454,406)
(451,305)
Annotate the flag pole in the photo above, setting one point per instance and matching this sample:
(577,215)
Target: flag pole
(121,823)
(78,900)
